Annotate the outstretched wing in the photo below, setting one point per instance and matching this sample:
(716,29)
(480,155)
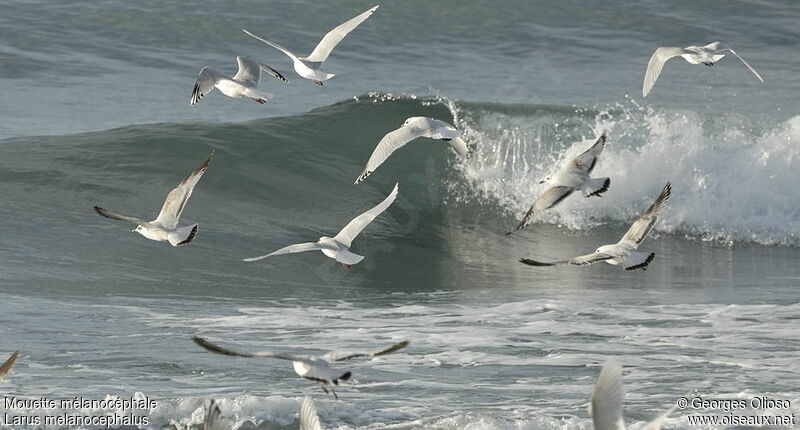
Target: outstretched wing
(309,420)
(179,196)
(335,356)
(588,159)
(391,142)
(719,47)
(606,409)
(7,365)
(204,84)
(274,73)
(225,351)
(644,224)
(583,260)
(274,45)
(213,413)
(550,198)
(249,71)
(291,249)
(108,214)
(359,223)
(330,40)
(657,60)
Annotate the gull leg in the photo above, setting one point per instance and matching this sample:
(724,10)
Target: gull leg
(319,83)
(259,101)
(347,266)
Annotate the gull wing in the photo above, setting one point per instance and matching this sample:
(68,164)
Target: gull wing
(551,197)
(335,356)
(249,71)
(588,159)
(225,351)
(638,231)
(179,196)
(211,420)
(606,406)
(391,142)
(291,249)
(108,214)
(205,83)
(719,47)
(657,60)
(274,45)
(309,420)
(656,423)
(330,40)
(583,260)
(359,223)
(274,73)
(6,367)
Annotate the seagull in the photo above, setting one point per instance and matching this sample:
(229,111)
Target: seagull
(574,176)
(412,128)
(313,368)
(165,227)
(6,367)
(213,413)
(606,405)
(707,55)
(308,67)
(309,420)
(338,247)
(622,252)
(242,84)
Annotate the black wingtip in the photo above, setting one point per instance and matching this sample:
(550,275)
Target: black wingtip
(603,189)
(191,236)
(643,265)
(530,262)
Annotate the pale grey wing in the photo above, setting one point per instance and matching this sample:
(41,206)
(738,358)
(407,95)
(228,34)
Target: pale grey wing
(588,159)
(719,46)
(638,231)
(583,260)
(205,83)
(359,223)
(179,196)
(274,45)
(249,71)
(657,60)
(108,214)
(213,413)
(658,421)
(330,40)
(274,73)
(212,347)
(441,130)
(309,420)
(6,367)
(391,142)
(551,197)
(337,356)
(606,406)
(291,249)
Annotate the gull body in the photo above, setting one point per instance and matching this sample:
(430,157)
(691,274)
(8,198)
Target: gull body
(308,67)
(243,84)
(165,227)
(313,368)
(623,252)
(706,55)
(575,175)
(412,128)
(338,247)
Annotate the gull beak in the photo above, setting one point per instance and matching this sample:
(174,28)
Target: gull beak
(133,231)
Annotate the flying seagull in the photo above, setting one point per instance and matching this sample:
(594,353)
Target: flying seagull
(338,247)
(308,67)
(622,252)
(165,227)
(574,176)
(313,368)
(6,367)
(606,405)
(707,55)
(242,84)
(309,420)
(213,413)
(412,128)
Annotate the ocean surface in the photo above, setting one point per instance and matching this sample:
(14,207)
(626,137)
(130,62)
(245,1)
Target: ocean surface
(95,112)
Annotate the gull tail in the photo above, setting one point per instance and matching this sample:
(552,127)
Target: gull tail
(596,187)
(639,260)
(183,235)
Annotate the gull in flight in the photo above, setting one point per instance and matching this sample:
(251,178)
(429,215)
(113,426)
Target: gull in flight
(622,252)
(165,227)
(313,368)
(707,55)
(576,175)
(414,127)
(309,420)
(242,84)
(308,67)
(606,405)
(213,414)
(6,367)
(338,247)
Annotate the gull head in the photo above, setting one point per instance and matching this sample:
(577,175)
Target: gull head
(137,229)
